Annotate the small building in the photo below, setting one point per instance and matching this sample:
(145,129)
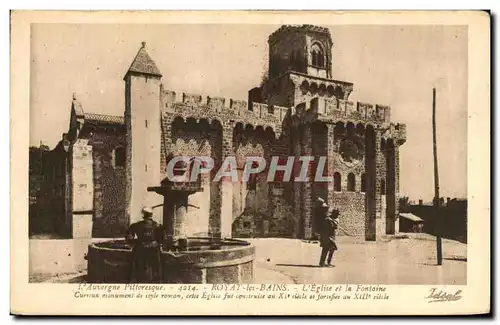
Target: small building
(408,222)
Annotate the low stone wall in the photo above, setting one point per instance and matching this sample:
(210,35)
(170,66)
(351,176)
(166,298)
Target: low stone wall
(110,262)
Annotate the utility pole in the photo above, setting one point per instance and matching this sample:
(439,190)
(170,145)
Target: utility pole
(437,218)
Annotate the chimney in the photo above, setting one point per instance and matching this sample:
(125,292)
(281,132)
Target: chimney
(420,202)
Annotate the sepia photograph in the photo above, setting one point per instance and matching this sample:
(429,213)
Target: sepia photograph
(298,157)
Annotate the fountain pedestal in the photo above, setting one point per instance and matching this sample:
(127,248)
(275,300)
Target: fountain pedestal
(184,260)
(175,204)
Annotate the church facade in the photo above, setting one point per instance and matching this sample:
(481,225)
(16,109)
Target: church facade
(97,176)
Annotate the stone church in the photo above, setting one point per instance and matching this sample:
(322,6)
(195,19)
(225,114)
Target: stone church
(96,178)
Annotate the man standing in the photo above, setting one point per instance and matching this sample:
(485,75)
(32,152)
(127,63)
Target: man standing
(327,235)
(146,236)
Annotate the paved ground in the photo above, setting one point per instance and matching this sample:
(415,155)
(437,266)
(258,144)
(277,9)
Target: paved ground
(390,261)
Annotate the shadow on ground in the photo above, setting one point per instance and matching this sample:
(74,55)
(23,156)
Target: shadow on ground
(298,265)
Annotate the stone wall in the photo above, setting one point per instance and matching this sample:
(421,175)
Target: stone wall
(200,107)
(281,192)
(381,186)
(82,183)
(391,197)
(193,139)
(110,219)
(250,199)
(352,212)
(350,204)
(53,197)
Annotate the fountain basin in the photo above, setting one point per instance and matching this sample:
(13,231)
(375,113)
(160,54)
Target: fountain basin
(204,261)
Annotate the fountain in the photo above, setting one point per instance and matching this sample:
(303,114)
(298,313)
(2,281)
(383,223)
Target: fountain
(184,259)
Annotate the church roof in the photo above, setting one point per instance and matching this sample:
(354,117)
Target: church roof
(411,216)
(104,119)
(144,64)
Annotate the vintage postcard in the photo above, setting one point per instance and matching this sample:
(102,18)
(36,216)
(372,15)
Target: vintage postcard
(250,163)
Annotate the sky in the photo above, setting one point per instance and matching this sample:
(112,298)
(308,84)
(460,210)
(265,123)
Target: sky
(389,65)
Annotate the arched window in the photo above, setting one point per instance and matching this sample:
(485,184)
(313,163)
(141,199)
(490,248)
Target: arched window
(382,144)
(321,60)
(120,157)
(363,182)
(314,56)
(337,182)
(317,56)
(351,182)
(382,187)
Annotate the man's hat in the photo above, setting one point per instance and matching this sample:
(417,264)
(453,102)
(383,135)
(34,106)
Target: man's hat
(334,213)
(147,210)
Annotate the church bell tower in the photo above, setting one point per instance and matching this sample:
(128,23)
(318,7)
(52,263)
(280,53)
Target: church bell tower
(305,49)
(300,68)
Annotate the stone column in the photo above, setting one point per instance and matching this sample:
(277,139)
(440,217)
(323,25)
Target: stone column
(277,210)
(307,186)
(391,200)
(396,183)
(175,216)
(215,204)
(330,151)
(382,173)
(226,183)
(180,221)
(320,143)
(83,190)
(371,179)
(169,219)
(380,222)
(297,187)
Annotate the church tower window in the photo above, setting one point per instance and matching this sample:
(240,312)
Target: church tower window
(337,182)
(351,182)
(317,56)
